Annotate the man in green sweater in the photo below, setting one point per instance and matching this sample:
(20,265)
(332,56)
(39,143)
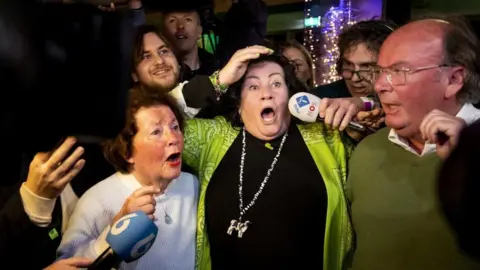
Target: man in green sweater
(427,79)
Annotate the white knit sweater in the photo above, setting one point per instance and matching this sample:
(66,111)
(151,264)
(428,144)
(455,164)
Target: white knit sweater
(174,247)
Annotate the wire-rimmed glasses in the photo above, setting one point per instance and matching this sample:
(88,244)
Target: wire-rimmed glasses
(398,76)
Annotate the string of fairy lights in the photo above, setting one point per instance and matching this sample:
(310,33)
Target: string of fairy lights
(311,37)
(326,33)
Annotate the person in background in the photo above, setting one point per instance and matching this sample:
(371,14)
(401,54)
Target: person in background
(154,62)
(147,155)
(427,78)
(182,26)
(358,46)
(155,66)
(353,97)
(300,57)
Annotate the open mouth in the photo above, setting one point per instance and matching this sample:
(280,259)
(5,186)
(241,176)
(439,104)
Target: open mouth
(181,36)
(174,159)
(268,114)
(161,71)
(390,108)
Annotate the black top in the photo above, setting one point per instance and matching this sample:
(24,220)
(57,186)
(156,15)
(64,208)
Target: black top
(337,89)
(208,65)
(245,25)
(288,219)
(459,187)
(20,238)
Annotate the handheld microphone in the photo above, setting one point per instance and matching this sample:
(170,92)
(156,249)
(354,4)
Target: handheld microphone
(304,106)
(129,239)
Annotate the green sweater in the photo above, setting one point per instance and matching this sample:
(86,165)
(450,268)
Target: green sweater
(395,210)
(207,142)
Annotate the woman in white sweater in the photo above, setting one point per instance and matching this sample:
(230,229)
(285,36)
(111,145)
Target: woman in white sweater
(147,156)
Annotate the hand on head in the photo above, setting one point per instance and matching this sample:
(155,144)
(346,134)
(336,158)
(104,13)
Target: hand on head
(237,66)
(50,172)
(443,130)
(70,264)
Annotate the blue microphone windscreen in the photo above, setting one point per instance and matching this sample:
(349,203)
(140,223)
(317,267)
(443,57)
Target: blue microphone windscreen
(132,236)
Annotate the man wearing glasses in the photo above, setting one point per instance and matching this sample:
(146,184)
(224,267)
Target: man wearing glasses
(353,97)
(427,78)
(358,47)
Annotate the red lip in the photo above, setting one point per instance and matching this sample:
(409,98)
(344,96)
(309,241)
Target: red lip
(175,163)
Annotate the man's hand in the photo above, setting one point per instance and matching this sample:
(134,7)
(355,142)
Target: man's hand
(49,173)
(438,124)
(141,199)
(372,119)
(338,112)
(70,264)
(237,65)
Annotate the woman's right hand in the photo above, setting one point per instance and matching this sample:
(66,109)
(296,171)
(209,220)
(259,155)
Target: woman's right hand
(237,65)
(141,199)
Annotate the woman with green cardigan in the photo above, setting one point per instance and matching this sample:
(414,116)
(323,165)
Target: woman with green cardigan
(271,188)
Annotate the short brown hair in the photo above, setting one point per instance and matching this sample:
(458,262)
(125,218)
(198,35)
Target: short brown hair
(138,49)
(119,149)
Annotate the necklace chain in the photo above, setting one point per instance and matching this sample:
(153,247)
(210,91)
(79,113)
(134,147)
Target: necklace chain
(243,210)
(166,218)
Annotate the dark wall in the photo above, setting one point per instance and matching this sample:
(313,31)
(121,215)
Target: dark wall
(397,11)
(475,22)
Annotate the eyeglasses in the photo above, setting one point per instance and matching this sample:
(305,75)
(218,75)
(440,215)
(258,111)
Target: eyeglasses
(362,74)
(398,76)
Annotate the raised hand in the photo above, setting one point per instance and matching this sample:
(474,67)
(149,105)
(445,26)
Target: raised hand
(49,173)
(443,130)
(141,199)
(236,67)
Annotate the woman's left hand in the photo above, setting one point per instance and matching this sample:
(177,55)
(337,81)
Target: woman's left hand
(236,67)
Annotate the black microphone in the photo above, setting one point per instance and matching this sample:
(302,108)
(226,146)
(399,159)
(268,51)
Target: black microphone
(107,260)
(129,239)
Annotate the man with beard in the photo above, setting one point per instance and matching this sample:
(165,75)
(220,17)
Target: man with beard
(154,63)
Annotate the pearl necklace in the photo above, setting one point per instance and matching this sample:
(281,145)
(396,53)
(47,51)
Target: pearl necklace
(237,225)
